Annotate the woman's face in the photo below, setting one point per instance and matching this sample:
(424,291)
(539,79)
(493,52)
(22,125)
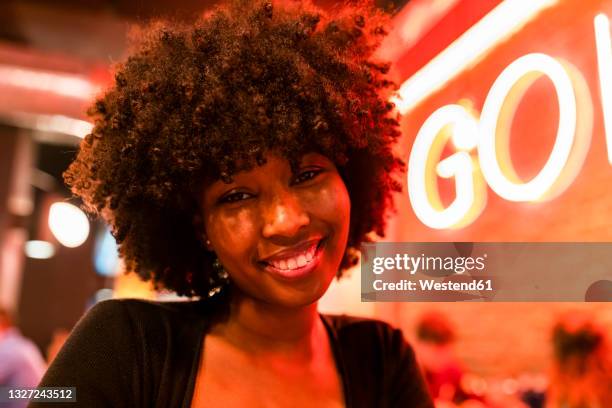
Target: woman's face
(280,236)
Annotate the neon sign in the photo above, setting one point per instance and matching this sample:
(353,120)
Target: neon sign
(482,144)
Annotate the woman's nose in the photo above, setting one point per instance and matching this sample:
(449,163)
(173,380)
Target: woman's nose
(284,215)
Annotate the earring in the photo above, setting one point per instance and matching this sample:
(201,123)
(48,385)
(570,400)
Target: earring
(207,244)
(220,278)
(206,240)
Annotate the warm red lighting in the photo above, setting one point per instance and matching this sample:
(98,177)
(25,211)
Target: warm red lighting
(546,135)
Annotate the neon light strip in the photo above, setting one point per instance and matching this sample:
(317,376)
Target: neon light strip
(493,28)
(604,59)
(49,123)
(74,86)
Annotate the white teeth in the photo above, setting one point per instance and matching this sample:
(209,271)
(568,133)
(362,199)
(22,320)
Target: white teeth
(311,252)
(301,261)
(296,262)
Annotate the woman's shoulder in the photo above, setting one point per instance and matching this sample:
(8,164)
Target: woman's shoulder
(146,307)
(121,350)
(146,315)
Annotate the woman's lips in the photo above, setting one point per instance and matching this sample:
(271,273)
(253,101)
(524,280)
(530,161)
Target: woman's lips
(292,251)
(295,263)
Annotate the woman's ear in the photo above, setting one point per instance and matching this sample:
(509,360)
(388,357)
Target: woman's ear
(198,223)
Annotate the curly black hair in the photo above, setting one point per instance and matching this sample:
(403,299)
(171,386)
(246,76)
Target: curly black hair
(204,100)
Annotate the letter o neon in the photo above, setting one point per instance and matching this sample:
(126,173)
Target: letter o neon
(487,154)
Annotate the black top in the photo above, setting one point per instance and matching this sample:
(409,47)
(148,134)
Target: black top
(134,353)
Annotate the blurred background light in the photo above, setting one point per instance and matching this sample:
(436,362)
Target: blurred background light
(106,256)
(74,86)
(39,249)
(62,124)
(103,294)
(68,224)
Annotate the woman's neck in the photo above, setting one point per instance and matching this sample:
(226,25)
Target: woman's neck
(255,326)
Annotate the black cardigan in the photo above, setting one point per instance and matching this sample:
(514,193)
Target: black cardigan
(134,353)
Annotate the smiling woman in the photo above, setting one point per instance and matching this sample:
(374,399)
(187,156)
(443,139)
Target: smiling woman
(241,160)
(280,235)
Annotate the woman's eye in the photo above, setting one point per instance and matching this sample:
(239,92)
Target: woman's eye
(234,197)
(306,175)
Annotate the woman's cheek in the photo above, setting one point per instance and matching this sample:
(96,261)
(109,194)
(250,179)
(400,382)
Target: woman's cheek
(233,230)
(331,200)
(344,200)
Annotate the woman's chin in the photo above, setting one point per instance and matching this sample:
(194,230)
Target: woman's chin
(299,295)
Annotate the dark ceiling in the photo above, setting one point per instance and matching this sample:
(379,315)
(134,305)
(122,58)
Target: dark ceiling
(96,29)
(148,8)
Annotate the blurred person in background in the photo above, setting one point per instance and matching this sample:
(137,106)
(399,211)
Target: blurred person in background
(582,367)
(241,160)
(443,370)
(21,364)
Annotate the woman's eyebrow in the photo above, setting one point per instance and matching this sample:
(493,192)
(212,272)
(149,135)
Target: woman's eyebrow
(313,162)
(218,188)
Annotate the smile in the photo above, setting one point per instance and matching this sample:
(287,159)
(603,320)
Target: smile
(295,262)
(299,261)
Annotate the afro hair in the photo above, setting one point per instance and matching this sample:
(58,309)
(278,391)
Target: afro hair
(203,100)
